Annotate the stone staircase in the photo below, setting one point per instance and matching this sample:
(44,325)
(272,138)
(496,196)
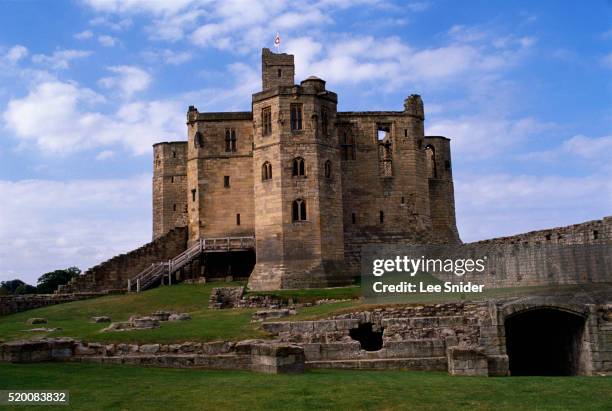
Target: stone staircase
(155,273)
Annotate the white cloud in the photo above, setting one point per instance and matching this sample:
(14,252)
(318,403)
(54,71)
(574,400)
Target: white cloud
(72,123)
(481,136)
(16,53)
(128,80)
(60,59)
(134,6)
(168,56)
(78,222)
(105,155)
(83,35)
(113,25)
(594,150)
(107,41)
(419,6)
(501,204)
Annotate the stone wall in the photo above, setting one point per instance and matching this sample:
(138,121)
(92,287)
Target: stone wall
(254,355)
(169,187)
(114,273)
(576,254)
(462,338)
(10,304)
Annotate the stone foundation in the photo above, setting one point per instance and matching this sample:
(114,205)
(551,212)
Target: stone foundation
(254,355)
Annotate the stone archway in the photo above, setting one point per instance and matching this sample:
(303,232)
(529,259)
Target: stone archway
(546,341)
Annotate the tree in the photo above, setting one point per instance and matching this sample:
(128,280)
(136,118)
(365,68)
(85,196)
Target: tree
(49,282)
(11,285)
(25,289)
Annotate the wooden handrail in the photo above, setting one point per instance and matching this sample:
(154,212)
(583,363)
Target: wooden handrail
(155,271)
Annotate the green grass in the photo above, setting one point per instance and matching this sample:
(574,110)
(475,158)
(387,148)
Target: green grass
(96,387)
(205,325)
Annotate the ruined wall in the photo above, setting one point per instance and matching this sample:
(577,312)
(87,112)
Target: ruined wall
(216,208)
(169,187)
(10,304)
(576,254)
(114,273)
(441,189)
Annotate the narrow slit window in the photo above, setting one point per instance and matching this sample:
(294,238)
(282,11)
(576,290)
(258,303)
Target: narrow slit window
(230,140)
(296,117)
(324,122)
(193,194)
(328,171)
(353,218)
(266,121)
(238,219)
(226,181)
(381,217)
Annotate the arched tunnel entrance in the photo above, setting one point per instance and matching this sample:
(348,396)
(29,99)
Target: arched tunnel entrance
(545,341)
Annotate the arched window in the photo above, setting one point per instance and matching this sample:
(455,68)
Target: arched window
(348,146)
(430,158)
(298,210)
(230,139)
(298,167)
(328,169)
(266,171)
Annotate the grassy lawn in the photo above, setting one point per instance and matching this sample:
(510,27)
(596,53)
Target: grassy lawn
(206,325)
(94,386)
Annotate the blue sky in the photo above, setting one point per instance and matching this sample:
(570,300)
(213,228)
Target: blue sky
(523,88)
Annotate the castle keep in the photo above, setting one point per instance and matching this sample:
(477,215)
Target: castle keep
(309,184)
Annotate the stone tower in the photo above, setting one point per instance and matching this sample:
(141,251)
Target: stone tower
(169,187)
(441,188)
(297,183)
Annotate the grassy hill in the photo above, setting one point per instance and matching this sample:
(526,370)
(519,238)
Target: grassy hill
(206,325)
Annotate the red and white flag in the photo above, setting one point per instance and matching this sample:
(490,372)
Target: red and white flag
(277,41)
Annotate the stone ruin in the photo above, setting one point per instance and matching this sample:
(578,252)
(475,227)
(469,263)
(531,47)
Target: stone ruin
(147,322)
(253,355)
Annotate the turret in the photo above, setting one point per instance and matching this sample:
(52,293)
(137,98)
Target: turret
(276,69)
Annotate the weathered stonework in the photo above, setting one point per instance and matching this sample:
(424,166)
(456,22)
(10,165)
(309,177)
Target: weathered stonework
(254,355)
(461,338)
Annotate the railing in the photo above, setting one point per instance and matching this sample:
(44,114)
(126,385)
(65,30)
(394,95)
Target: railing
(154,272)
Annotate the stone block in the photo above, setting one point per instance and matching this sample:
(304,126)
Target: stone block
(37,321)
(149,348)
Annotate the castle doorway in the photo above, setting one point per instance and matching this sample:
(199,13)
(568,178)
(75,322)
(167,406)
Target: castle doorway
(237,264)
(545,341)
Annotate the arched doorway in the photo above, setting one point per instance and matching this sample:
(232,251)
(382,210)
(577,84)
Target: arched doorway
(545,341)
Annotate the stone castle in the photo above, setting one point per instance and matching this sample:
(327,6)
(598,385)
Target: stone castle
(288,194)
(309,183)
